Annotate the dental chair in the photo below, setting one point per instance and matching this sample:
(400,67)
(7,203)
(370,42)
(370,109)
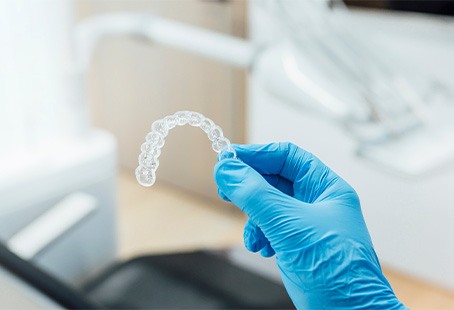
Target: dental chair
(197,280)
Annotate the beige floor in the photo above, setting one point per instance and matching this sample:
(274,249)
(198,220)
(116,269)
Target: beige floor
(163,219)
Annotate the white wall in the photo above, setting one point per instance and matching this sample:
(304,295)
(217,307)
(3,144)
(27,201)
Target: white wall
(40,88)
(411,220)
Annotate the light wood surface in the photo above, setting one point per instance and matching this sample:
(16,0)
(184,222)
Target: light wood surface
(164,219)
(417,294)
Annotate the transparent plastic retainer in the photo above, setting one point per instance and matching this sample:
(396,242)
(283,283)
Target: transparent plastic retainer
(155,140)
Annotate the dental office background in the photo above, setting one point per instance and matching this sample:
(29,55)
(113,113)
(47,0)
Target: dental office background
(58,82)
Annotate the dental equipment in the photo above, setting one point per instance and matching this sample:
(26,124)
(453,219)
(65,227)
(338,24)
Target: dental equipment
(155,140)
(371,95)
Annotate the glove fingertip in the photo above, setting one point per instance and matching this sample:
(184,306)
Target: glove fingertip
(251,246)
(267,251)
(250,241)
(223,196)
(229,174)
(254,239)
(223,170)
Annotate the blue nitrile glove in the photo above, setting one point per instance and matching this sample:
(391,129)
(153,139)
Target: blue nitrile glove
(311,219)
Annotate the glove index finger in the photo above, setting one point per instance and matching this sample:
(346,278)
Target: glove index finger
(309,176)
(266,159)
(283,158)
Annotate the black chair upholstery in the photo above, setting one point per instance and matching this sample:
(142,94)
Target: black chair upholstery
(195,280)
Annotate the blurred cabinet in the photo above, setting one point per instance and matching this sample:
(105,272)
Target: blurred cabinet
(133,83)
(77,250)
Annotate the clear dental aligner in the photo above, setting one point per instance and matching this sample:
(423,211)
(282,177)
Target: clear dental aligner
(155,140)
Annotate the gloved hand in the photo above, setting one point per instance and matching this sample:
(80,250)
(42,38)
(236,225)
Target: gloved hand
(311,219)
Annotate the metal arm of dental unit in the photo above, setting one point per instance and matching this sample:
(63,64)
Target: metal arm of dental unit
(273,65)
(358,101)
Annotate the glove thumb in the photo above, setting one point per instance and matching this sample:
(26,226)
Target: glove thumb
(249,191)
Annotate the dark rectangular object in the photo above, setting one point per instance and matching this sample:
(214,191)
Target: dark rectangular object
(196,280)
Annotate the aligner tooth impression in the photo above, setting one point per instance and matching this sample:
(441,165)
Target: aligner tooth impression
(155,140)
